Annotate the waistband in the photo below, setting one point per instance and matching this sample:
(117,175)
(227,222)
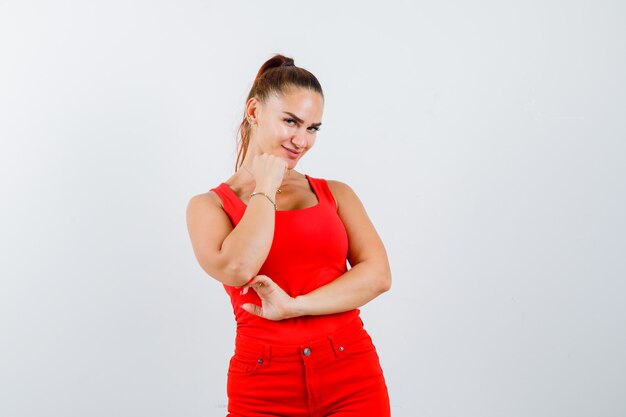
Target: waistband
(333,344)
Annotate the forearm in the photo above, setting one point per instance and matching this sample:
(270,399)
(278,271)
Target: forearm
(249,243)
(355,288)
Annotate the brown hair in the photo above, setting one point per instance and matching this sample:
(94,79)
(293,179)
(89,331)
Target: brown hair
(276,76)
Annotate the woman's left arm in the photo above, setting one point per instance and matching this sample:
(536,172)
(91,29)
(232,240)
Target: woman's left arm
(368,277)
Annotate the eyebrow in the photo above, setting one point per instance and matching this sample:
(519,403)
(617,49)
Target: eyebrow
(299,120)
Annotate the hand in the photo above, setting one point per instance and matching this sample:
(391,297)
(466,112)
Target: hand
(276,304)
(268,172)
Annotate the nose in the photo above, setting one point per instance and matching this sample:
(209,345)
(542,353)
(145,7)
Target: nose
(299,140)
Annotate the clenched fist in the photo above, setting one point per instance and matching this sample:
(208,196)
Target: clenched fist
(268,172)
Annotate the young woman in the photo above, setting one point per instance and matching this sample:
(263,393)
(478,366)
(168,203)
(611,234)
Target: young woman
(278,240)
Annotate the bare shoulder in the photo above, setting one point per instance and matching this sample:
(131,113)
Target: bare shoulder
(205,209)
(210,198)
(343,193)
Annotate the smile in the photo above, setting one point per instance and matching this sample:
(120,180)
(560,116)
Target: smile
(292,153)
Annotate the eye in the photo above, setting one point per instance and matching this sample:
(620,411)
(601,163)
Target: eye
(289,121)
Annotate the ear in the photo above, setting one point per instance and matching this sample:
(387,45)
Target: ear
(252,108)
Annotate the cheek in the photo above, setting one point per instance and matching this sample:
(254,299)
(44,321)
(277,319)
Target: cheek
(282,131)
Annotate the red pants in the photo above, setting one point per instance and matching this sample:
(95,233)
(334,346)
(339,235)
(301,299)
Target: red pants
(339,375)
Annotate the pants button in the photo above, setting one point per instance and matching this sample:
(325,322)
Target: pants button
(340,348)
(306,351)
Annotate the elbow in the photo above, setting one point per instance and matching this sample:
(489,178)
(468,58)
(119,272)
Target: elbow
(383,281)
(237,274)
(229,272)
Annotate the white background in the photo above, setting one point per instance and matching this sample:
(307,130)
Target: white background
(486,140)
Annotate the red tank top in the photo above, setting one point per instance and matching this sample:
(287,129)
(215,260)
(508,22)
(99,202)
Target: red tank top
(309,250)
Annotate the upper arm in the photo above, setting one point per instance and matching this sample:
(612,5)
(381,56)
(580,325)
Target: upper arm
(208,225)
(364,243)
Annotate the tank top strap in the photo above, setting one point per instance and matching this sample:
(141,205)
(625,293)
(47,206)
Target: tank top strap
(233,206)
(320,186)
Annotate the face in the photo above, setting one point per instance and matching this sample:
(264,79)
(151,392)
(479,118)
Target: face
(286,126)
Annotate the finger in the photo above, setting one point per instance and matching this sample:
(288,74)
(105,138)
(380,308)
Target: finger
(244,287)
(260,284)
(263,289)
(260,290)
(253,309)
(259,281)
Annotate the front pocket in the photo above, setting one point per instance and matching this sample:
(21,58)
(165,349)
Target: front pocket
(362,346)
(243,366)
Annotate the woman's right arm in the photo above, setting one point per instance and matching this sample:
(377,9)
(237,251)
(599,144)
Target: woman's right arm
(234,255)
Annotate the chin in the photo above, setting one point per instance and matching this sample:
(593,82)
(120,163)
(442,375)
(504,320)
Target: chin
(291,161)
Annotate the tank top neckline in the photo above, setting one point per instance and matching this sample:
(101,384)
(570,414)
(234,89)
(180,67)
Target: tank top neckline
(317,195)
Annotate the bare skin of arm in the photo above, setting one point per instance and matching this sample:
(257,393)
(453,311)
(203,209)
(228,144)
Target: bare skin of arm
(234,255)
(369,276)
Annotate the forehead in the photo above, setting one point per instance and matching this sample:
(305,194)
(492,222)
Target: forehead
(305,103)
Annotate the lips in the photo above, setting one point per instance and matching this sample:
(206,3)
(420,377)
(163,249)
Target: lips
(292,153)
